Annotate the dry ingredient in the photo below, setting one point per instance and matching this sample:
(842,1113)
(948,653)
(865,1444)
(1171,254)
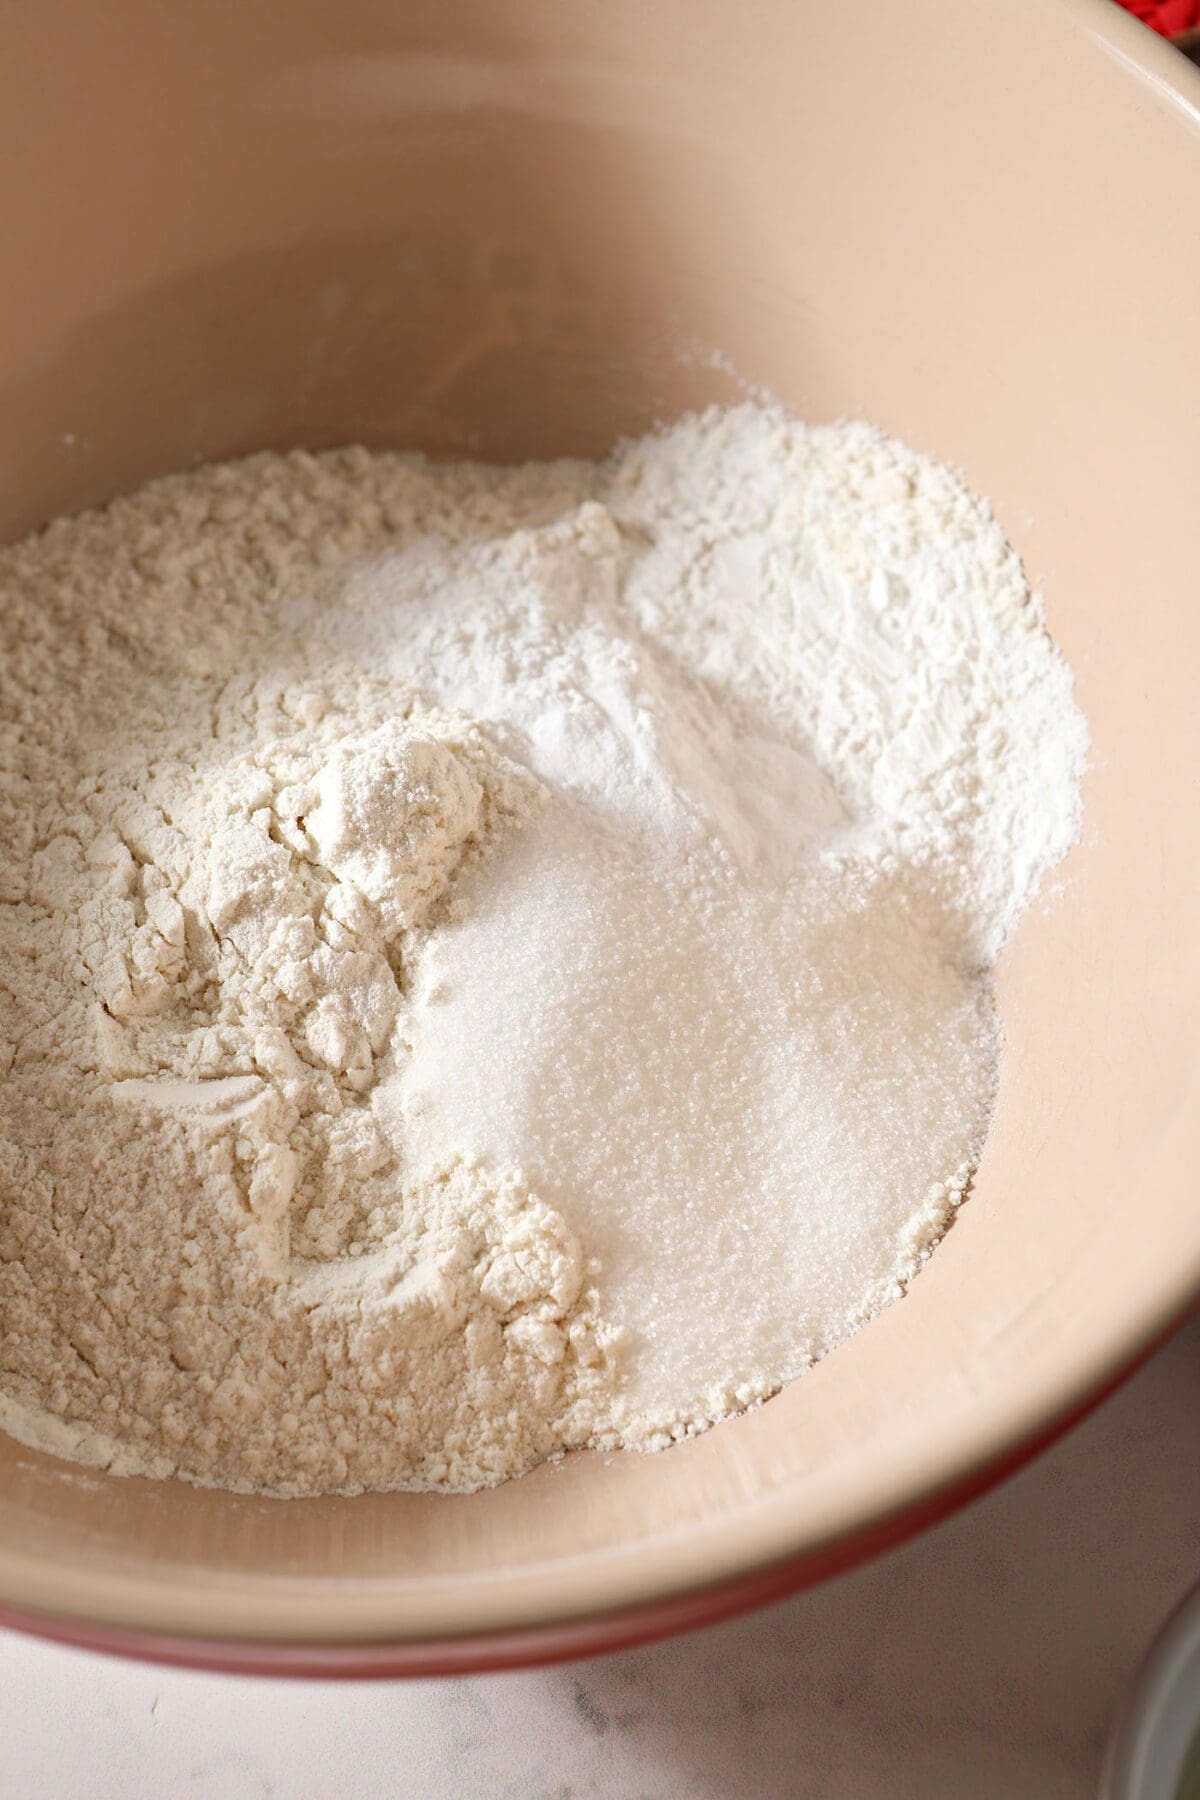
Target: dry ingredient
(494,960)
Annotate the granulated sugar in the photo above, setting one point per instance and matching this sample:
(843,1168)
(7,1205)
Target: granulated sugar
(497,960)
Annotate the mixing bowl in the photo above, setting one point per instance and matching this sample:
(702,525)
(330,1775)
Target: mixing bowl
(513,228)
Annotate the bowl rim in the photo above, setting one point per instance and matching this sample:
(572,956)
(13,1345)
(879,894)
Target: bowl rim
(585,1632)
(1134,1766)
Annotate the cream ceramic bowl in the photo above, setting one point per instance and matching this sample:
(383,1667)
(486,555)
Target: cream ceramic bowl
(525,228)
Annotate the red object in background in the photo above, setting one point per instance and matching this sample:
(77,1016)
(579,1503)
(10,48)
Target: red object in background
(1165,16)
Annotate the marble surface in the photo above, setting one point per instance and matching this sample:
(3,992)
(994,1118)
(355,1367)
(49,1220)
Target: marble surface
(983,1661)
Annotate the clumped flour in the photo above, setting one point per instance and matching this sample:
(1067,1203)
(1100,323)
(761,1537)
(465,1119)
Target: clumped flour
(496,960)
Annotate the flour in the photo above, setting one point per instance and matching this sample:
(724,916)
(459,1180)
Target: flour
(496,960)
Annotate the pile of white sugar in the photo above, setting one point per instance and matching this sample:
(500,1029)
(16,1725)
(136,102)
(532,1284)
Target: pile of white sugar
(494,960)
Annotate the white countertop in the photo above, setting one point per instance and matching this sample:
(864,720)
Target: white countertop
(984,1660)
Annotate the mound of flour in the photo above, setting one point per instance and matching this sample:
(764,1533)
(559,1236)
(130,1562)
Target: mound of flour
(496,960)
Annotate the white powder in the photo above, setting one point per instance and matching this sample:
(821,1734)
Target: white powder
(493,960)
